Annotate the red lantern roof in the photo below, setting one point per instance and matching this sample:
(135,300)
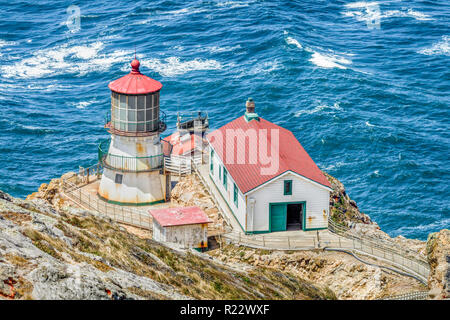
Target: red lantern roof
(135,82)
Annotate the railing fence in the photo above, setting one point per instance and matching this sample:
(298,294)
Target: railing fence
(384,249)
(416,295)
(72,188)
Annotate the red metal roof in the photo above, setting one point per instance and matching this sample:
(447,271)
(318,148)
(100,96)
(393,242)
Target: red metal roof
(185,144)
(179,216)
(135,82)
(291,157)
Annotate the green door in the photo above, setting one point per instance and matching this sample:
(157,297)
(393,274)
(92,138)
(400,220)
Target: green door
(278,217)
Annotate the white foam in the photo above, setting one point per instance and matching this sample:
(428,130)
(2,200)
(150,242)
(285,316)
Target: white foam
(441,47)
(216,49)
(410,13)
(326,60)
(290,40)
(233,4)
(320,108)
(431,227)
(184,11)
(369,124)
(83,104)
(370,11)
(4,43)
(321,59)
(173,66)
(336,165)
(264,67)
(65,59)
(46,87)
(361,4)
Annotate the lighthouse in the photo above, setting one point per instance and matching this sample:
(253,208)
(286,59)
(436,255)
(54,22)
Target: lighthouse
(132,159)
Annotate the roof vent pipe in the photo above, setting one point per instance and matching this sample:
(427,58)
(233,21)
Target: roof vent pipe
(250,105)
(250,113)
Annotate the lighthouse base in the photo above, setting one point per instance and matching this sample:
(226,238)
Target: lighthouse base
(132,188)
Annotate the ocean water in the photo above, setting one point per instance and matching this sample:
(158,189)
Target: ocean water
(364,86)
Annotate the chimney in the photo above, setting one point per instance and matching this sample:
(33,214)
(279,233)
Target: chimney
(250,105)
(250,113)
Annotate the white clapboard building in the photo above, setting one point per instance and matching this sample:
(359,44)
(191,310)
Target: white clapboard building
(275,190)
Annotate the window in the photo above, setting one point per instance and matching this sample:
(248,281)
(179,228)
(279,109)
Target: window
(220,172)
(141,102)
(287,187)
(134,113)
(235,195)
(211,161)
(225,173)
(118,178)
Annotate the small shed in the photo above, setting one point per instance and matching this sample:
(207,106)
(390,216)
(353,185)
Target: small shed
(185,226)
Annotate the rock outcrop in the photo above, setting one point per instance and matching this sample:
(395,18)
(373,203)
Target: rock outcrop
(438,253)
(345,211)
(347,277)
(342,208)
(189,191)
(51,192)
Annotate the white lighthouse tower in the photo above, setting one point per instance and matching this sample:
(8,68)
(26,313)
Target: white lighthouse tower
(133,159)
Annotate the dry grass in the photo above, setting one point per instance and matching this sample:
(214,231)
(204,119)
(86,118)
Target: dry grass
(185,272)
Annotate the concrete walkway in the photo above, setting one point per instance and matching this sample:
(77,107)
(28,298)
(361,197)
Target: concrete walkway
(86,197)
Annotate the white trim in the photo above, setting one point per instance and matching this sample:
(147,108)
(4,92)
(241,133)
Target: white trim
(285,173)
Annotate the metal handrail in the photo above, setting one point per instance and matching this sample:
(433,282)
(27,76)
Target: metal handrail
(383,249)
(126,163)
(121,214)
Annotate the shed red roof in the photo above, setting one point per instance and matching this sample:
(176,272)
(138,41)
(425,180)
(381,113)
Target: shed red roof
(135,82)
(169,217)
(291,155)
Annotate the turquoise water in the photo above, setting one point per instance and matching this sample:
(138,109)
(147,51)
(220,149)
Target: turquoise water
(367,94)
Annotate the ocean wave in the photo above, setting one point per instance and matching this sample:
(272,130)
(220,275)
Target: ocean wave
(293,41)
(441,47)
(320,109)
(370,11)
(83,104)
(360,4)
(47,87)
(184,11)
(65,59)
(263,67)
(28,129)
(375,174)
(326,60)
(424,228)
(216,49)
(336,165)
(4,43)
(320,57)
(234,4)
(173,66)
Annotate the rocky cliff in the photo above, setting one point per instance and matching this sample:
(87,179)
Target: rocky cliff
(51,250)
(438,253)
(346,276)
(68,253)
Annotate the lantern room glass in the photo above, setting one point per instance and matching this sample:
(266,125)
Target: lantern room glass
(135,113)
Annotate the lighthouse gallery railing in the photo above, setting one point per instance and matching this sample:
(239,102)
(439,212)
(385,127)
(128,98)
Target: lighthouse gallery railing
(128,164)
